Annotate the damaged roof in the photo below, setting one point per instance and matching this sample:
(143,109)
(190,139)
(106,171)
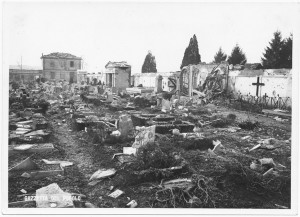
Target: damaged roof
(58,55)
(122,64)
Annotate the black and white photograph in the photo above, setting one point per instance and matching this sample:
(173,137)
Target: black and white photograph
(151,107)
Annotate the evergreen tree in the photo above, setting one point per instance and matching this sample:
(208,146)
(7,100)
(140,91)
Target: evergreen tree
(191,54)
(149,63)
(273,56)
(237,56)
(220,56)
(287,53)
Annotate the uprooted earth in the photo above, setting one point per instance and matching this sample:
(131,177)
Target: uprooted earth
(123,150)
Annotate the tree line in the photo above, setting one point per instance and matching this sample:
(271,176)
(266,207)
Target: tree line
(278,54)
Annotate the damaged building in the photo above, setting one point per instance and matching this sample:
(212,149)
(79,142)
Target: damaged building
(61,66)
(199,137)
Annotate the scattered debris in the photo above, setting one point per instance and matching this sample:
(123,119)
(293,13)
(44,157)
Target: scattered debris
(26,164)
(245,137)
(101,174)
(132,204)
(62,163)
(23,191)
(23,147)
(129,151)
(185,184)
(116,193)
(162,138)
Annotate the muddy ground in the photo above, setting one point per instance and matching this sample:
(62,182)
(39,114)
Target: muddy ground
(228,182)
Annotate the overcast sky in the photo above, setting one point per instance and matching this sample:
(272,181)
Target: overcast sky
(100,32)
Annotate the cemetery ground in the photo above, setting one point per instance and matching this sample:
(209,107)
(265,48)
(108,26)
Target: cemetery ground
(230,158)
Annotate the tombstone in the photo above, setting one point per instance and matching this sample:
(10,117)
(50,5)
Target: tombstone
(158,85)
(90,88)
(100,89)
(52,88)
(95,90)
(146,135)
(72,88)
(125,126)
(28,113)
(166,105)
(109,98)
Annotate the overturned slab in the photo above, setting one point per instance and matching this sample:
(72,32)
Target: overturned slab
(26,164)
(21,139)
(34,148)
(281,114)
(101,174)
(38,133)
(45,173)
(136,90)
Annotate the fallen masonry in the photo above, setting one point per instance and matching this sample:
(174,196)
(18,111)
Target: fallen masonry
(78,147)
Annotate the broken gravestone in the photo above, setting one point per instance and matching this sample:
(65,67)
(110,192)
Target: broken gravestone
(125,126)
(146,135)
(52,196)
(26,164)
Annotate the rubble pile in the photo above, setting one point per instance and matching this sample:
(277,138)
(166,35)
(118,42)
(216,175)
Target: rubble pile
(103,149)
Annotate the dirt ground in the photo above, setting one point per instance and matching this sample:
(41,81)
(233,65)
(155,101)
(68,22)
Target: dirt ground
(227,180)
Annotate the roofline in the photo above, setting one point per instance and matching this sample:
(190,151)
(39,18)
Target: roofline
(117,66)
(76,58)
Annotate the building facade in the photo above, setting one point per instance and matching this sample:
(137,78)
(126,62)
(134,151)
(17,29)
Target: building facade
(61,66)
(117,75)
(24,74)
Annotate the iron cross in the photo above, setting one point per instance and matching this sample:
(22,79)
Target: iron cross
(257,84)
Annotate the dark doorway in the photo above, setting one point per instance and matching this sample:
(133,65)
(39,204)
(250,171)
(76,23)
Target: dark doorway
(109,80)
(72,77)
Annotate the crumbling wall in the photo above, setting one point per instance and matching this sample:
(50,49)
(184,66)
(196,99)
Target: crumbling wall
(23,75)
(148,80)
(274,85)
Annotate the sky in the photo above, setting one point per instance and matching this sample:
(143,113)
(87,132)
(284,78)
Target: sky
(100,32)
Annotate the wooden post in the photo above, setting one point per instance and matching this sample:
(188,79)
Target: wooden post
(178,87)
(190,80)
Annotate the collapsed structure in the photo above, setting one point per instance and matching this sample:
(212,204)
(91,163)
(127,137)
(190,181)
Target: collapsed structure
(177,139)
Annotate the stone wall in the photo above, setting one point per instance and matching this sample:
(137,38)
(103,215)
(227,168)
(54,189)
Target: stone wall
(149,80)
(274,85)
(23,75)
